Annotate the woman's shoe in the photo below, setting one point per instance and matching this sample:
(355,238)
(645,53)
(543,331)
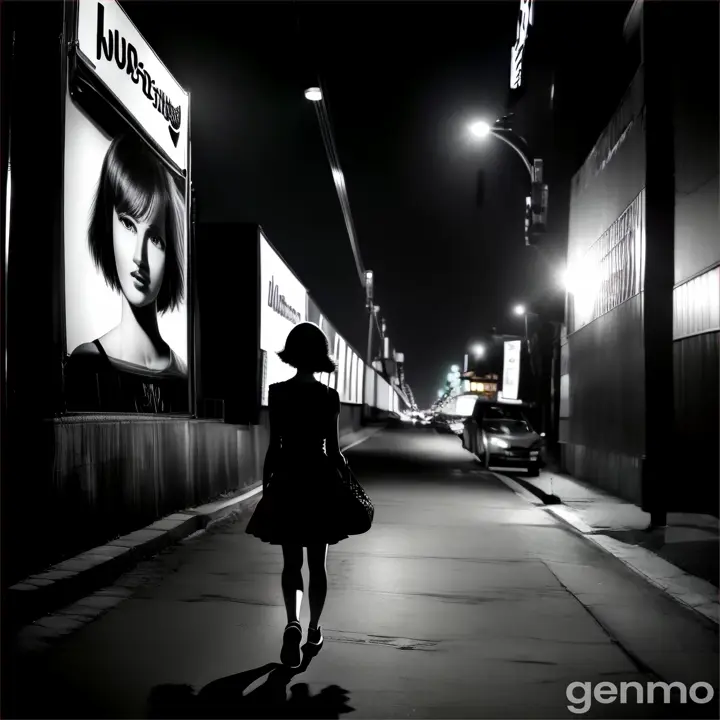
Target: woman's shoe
(290,654)
(315,639)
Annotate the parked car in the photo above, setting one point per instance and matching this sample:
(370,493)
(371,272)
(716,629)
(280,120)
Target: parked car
(500,434)
(449,424)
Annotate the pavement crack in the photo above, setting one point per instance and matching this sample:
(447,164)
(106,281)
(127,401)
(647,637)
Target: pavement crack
(396,643)
(642,666)
(225,598)
(533,662)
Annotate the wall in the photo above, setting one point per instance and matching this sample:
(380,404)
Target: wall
(602,425)
(695,81)
(100,477)
(696,299)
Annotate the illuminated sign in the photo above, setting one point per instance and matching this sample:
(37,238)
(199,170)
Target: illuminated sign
(284,305)
(483,387)
(511,369)
(280,305)
(525,19)
(121,58)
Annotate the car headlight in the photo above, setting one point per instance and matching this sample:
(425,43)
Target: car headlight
(499,443)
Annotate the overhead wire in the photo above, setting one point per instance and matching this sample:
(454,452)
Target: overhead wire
(326,130)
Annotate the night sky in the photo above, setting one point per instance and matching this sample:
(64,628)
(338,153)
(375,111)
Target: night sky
(402,82)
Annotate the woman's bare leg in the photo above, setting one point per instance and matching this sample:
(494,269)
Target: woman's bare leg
(317,558)
(292,581)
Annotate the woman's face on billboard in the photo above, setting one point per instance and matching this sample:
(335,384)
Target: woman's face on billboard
(139,245)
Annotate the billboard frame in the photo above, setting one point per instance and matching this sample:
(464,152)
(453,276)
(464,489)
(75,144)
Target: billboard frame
(89,92)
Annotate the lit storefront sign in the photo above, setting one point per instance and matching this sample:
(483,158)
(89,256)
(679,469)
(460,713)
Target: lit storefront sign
(525,19)
(127,65)
(511,370)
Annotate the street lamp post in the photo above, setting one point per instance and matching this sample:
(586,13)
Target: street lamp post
(372,311)
(536,202)
(521,310)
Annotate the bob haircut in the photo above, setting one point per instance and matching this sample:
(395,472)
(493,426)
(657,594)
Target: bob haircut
(306,349)
(134,181)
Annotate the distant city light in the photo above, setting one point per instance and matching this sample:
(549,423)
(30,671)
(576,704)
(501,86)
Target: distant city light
(480,129)
(314,94)
(519,310)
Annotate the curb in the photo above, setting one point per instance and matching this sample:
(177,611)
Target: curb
(693,592)
(81,575)
(519,489)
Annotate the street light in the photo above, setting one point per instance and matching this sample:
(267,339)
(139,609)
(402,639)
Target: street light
(314,94)
(480,129)
(536,202)
(478,351)
(563,279)
(522,310)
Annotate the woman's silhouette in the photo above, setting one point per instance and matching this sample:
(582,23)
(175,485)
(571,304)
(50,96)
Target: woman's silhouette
(299,506)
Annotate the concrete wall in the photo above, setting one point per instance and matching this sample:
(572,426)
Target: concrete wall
(107,476)
(602,414)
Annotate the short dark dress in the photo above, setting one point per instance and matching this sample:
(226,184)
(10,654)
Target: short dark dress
(301,505)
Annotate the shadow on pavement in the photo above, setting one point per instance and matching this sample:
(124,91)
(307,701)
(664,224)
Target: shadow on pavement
(226,698)
(520,479)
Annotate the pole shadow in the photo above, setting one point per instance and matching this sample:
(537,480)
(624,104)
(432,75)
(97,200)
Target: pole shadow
(225,698)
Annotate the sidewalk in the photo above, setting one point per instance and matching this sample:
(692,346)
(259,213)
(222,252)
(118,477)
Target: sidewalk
(76,577)
(682,558)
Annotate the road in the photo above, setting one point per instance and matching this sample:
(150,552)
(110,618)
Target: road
(464,601)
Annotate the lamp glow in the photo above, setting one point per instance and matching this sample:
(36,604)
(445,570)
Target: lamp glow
(455,368)
(519,310)
(564,280)
(480,129)
(479,350)
(314,94)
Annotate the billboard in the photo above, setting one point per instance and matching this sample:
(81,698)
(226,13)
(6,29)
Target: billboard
(283,304)
(348,380)
(125,224)
(511,369)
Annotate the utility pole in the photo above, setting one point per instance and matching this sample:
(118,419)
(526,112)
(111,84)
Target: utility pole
(372,310)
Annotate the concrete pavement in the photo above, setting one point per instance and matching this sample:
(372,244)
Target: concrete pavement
(682,558)
(464,601)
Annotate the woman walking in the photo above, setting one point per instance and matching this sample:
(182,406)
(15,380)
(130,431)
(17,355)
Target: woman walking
(301,506)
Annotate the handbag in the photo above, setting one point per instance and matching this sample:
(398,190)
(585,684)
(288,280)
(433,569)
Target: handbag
(360,510)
